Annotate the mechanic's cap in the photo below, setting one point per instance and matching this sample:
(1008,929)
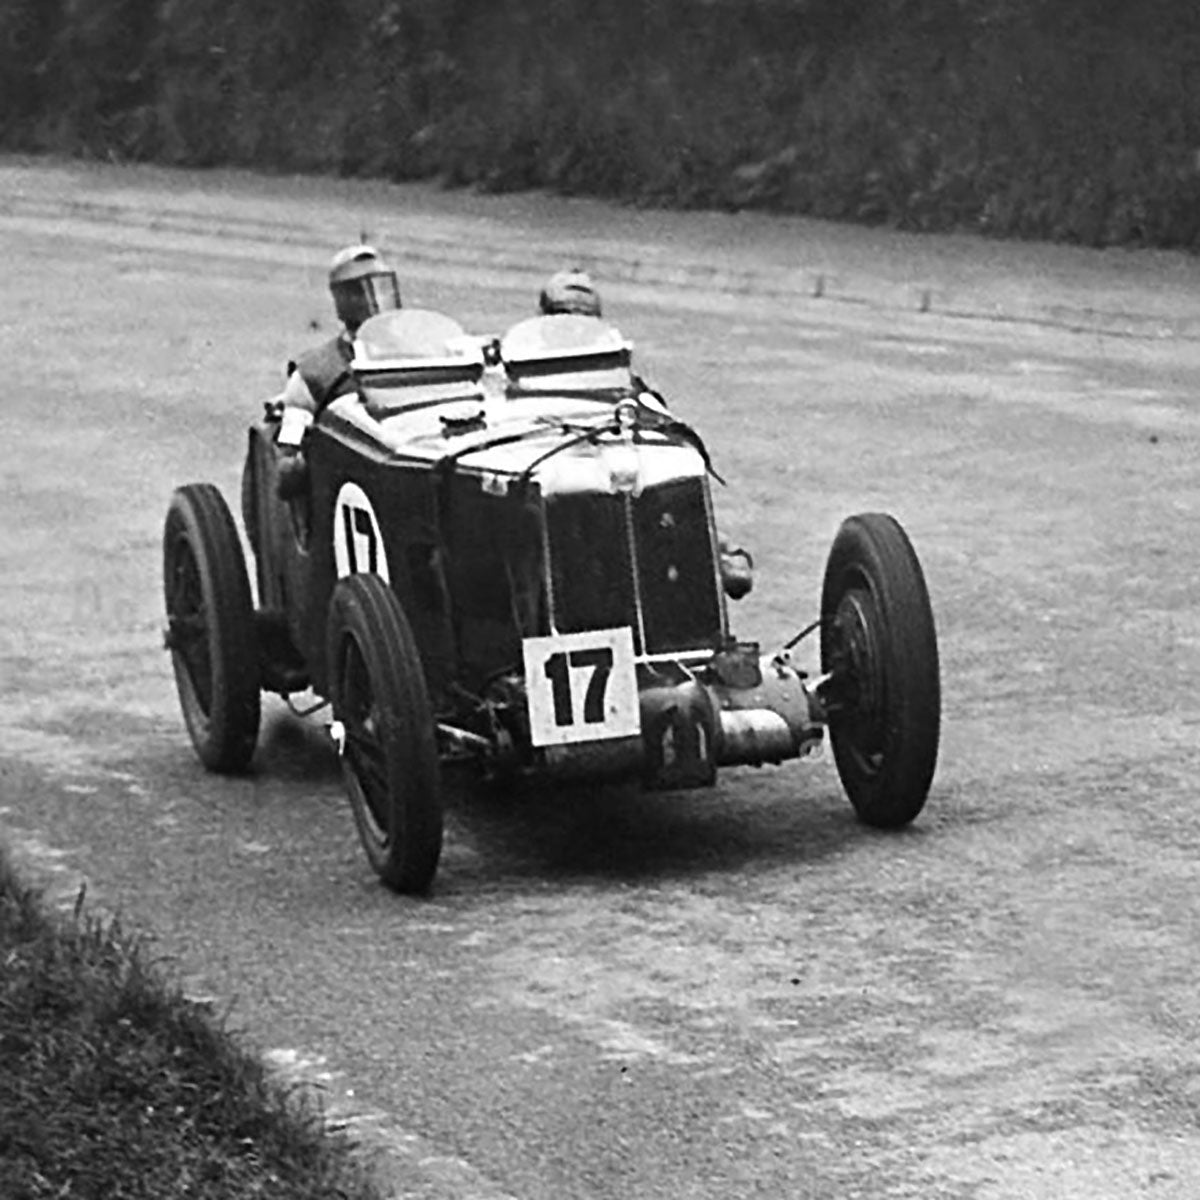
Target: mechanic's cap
(354,262)
(570,292)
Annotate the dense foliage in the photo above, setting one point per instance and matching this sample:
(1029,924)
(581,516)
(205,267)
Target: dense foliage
(1065,119)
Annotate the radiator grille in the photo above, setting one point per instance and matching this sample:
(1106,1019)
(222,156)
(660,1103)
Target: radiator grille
(680,606)
(603,546)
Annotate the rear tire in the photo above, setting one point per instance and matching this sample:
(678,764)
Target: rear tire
(390,760)
(879,644)
(210,628)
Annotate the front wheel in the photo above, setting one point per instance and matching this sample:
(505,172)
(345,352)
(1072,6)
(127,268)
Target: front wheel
(210,628)
(879,646)
(389,755)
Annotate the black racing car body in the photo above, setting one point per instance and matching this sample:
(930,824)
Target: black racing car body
(506,552)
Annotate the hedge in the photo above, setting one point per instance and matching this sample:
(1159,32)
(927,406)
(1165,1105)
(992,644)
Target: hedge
(1062,119)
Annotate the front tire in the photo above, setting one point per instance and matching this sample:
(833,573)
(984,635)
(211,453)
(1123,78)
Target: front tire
(210,628)
(879,645)
(390,760)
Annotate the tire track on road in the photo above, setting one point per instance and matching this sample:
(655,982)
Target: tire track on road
(475,248)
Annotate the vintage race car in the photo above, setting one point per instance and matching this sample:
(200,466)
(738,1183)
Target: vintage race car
(504,553)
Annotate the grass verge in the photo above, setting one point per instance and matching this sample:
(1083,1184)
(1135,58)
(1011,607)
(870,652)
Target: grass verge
(114,1086)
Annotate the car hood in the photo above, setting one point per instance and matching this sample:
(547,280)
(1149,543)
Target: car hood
(563,443)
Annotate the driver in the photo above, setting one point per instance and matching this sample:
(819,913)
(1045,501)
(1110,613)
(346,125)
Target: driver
(361,284)
(572,292)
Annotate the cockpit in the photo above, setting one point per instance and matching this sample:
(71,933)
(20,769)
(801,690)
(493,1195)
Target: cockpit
(413,358)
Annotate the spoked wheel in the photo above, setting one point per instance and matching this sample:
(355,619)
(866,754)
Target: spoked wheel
(210,628)
(879,644)
(390,758)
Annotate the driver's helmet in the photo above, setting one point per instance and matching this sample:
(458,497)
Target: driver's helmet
(570,292)
(362,285)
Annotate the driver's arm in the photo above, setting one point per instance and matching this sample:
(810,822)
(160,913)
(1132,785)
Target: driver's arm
(299,408)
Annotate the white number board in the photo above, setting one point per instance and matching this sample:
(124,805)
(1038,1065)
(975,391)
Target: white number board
(581,687)
(357,538)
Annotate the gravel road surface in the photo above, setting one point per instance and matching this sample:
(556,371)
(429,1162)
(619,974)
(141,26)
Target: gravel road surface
(692,997)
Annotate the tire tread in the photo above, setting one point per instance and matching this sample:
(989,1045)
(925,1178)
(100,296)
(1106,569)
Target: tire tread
(876,544)
(226,739)
(363,605)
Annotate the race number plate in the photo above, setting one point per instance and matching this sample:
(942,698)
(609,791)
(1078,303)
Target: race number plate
(357,538)
(581,687)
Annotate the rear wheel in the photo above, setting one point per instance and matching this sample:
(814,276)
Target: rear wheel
(210,628)
(879,644)
(390,758)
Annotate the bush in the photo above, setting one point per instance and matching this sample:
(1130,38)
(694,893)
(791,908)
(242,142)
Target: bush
(1071,119)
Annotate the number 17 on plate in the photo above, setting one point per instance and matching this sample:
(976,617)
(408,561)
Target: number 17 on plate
(582,687)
